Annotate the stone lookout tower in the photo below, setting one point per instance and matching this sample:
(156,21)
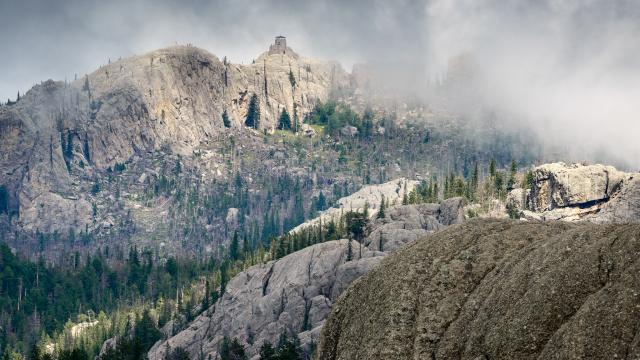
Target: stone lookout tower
(279,46)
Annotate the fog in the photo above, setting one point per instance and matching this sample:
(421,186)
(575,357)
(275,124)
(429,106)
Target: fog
(569,70)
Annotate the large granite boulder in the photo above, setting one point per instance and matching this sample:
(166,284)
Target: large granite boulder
(496,289)
(560,185)
(578,192)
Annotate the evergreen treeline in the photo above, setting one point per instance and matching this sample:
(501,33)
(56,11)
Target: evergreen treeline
(37,299)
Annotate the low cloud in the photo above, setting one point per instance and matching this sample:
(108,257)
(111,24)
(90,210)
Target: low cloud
(569,70)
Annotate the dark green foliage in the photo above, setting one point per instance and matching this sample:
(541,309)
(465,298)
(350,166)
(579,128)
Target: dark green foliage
(288,349)
(267,352)
(512,175)
(356,223)
(146,331)
(321,203)
(292,79)
(127,348)
(492,168)
(95,188)
(253,113)
(4,200)
(334,118)
(225,119)
(381,213)
(366,129)
(119,167)
(91,284)
(86,86)
(232,350)
(529,180)
(68,146)
(85,149)
(75,354)
(224,278)
(284,122)
(234,247)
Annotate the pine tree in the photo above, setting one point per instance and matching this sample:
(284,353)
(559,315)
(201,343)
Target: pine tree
(381,213)
(492,168)
(234,252)
(475,177)
(512,175)
(253,113)
(4,199)
(321,204)
(232,350)
(296,121)
(284,123)
(224,278)
(86,86)
(292,79)
(225,119)
(267,352)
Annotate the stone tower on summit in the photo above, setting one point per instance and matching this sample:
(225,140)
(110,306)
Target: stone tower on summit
(280,47)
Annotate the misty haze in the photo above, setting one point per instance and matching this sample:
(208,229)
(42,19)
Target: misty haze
(319,179)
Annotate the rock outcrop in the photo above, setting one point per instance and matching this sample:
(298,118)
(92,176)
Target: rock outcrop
(170,98)
(496,289)
(295,294)
(291,295)
(575,192)
(404,224)
(369,196)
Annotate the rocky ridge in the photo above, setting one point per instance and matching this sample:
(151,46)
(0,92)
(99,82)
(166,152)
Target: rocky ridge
(171,98)
(369,196)
(295,294)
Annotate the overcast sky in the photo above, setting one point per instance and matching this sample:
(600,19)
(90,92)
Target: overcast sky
(570,67)
(53,39)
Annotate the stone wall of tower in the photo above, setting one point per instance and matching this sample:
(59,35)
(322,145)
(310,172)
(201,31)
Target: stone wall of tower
(279,46)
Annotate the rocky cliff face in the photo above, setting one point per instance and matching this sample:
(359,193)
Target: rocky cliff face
(595,193)
(291,295)
(495,289)
(295,294)
(170,98)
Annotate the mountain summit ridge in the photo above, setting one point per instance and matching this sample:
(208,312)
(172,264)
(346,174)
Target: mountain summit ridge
(171,98)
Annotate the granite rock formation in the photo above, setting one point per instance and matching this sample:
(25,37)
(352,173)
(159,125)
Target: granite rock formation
(496,289)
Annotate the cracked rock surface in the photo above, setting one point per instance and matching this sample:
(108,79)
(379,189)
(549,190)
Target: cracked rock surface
(496,289)
(576,192)
(292,294)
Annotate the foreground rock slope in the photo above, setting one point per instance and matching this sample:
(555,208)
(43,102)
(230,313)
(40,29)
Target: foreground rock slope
(496,289)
